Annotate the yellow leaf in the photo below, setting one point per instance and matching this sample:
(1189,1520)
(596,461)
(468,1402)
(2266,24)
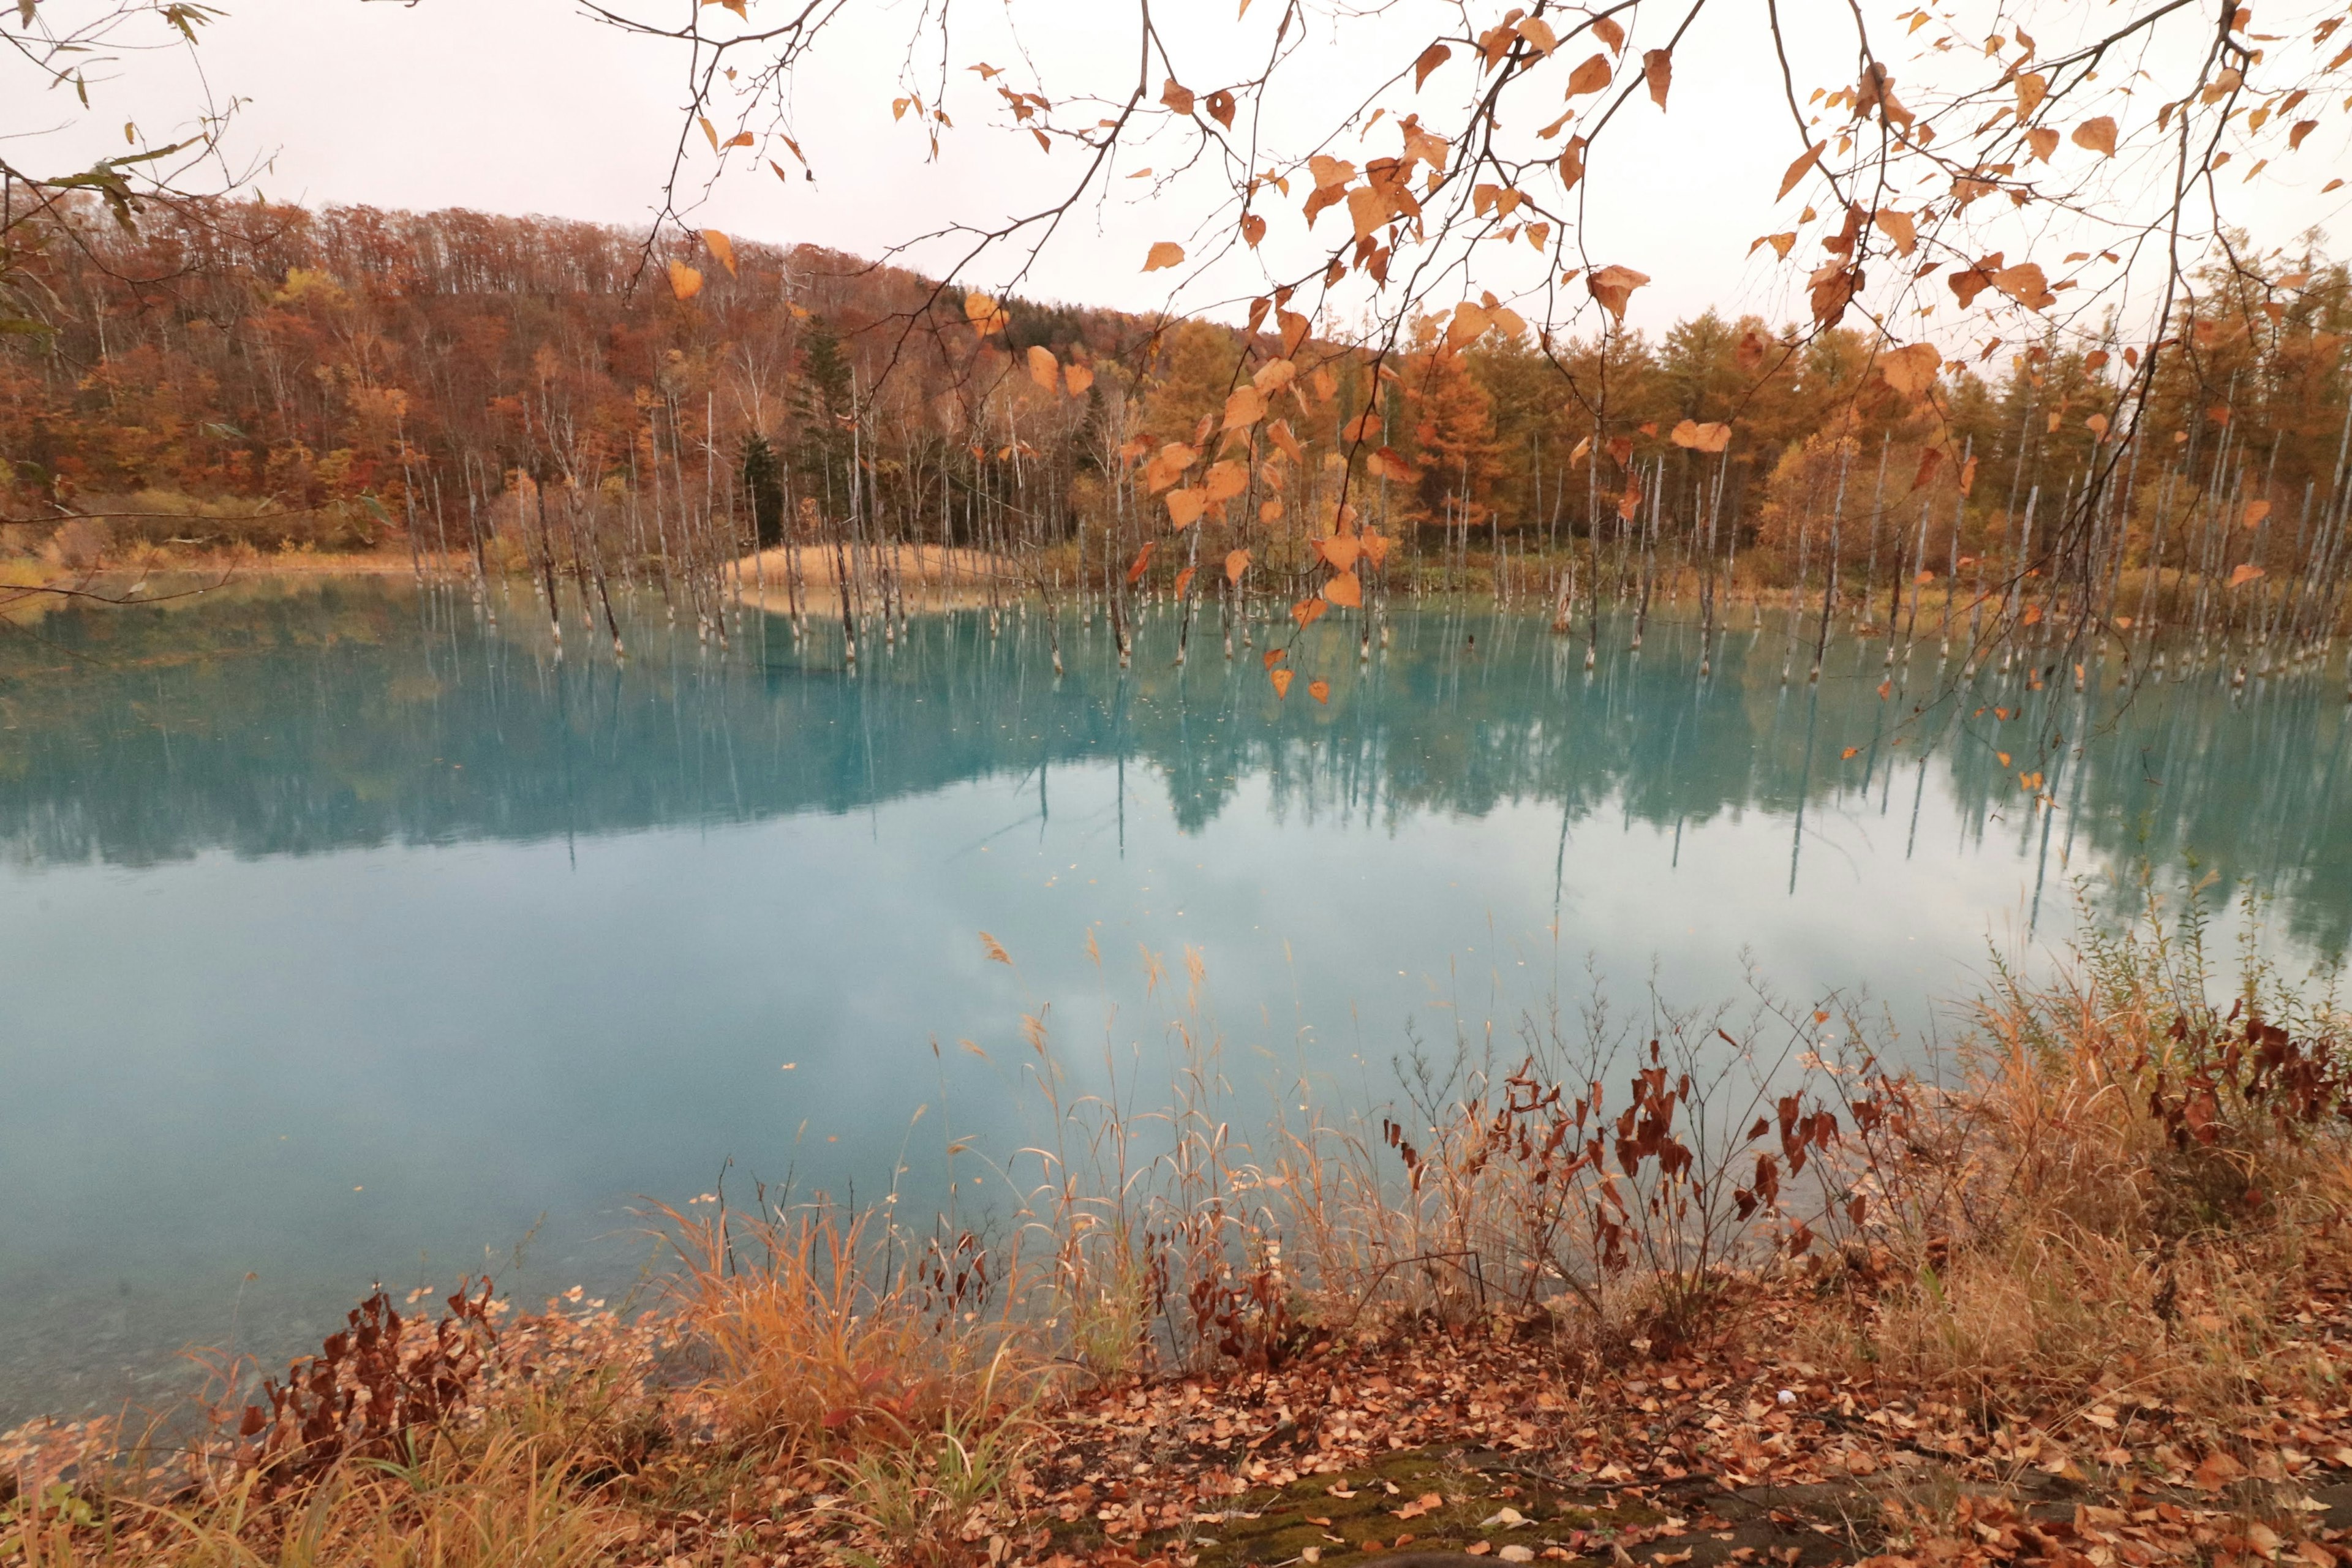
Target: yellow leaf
(1166,253)
(722,248)
(983,314)
(1044,369)
(683,280)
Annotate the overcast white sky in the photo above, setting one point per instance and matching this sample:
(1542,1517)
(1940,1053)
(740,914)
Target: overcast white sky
(527,106)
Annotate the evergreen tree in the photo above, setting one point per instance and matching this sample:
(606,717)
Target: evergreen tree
(763,486)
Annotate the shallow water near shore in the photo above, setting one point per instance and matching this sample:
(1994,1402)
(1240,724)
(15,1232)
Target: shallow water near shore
(350,934)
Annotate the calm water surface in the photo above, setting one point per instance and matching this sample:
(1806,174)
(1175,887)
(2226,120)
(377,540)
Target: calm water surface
(348,935)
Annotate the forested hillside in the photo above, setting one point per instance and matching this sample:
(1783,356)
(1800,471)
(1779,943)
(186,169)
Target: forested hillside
(532,391)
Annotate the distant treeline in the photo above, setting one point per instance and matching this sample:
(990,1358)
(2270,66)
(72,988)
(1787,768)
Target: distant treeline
(536,391)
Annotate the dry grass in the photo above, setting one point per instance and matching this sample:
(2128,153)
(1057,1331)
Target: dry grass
(2116,1197)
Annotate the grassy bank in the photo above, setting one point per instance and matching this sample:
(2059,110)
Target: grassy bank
(1681,1288)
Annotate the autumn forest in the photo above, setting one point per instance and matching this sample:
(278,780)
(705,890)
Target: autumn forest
(500,394)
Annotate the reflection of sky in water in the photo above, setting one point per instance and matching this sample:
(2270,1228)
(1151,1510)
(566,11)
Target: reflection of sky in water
(337,932)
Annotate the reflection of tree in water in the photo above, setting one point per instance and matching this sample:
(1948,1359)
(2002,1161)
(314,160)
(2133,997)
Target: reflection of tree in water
(272,721)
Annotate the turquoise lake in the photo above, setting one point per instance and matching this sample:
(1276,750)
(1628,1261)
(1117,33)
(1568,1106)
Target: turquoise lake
(348,934)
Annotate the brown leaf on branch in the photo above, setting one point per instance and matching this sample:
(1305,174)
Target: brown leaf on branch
(1606,29)
(1572,161)
(1431,58)
(2097,135)
(2041,142)
(1221,108)
(1244,408)
(2025,284)
(1797,169)
(1899,228)
(1176,97)
(1614,287)
(1166,253)
(1831,287)
(1658,71)
(1972,281)
(1781,244)
(1590,77)
(1911,371)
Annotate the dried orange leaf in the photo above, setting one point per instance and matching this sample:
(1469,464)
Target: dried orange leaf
(1797,169)
(683,280)
(722,248)
(1591,76)
(1236,562)
(1319,689)
(2098,135)
(1658,71)
(1044,369)
(1166,253)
